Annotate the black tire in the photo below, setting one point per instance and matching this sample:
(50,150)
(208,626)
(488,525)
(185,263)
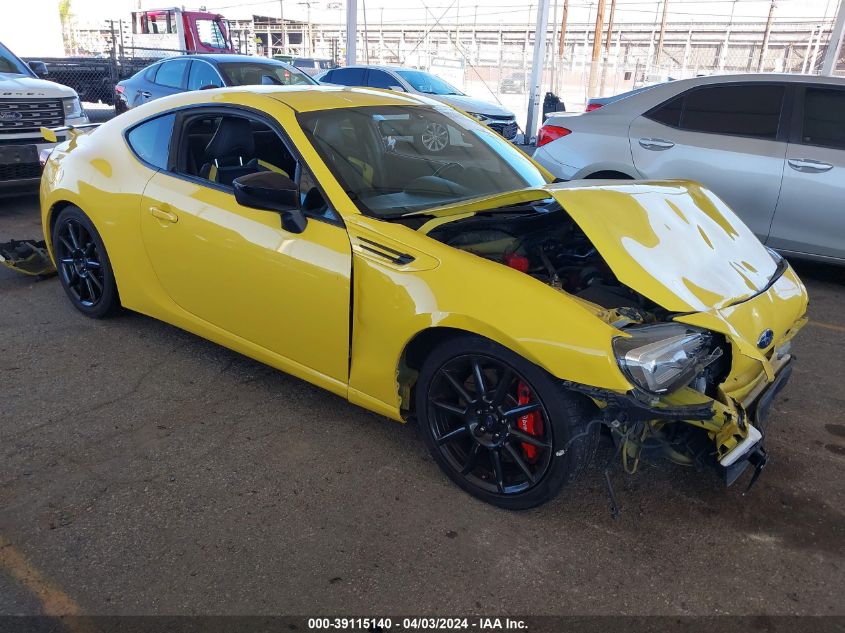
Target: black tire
(564,423)
(608,175)
(83,265)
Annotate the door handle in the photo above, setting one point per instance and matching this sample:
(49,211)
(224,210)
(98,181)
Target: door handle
(145,93)
(809,166)
(656,144)
(162,214)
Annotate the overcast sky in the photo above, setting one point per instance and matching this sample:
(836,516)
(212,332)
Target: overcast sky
(465,11)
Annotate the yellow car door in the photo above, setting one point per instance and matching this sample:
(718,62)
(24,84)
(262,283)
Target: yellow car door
(239,270)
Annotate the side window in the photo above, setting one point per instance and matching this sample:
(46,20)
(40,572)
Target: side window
(172,74)
(220,148)
(328,77)
(151,140)
(203,74)
(748,110)
(348,76)
(824,118)
(668,113)
(380,79)
(150,73)
(210,34)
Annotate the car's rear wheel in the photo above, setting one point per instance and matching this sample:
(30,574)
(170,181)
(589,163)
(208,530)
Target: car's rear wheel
(83,264)
(501,427)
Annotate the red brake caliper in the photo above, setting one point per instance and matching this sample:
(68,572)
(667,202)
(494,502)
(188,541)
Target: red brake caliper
(531,423)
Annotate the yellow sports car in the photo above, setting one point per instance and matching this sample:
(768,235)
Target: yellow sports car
(512,317)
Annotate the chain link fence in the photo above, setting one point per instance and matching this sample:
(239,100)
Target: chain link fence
(488,61)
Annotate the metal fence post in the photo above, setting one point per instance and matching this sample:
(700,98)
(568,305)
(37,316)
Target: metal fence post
(834,46)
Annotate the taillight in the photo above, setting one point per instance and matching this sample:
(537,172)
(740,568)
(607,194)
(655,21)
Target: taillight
(119,89)
(549,133)
(593,106)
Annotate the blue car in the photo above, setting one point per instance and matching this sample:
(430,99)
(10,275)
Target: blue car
(199,72)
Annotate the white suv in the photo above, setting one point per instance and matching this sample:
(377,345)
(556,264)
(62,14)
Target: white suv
(26,104)
(771,146)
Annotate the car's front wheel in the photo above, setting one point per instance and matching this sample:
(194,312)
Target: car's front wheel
(433,139)
(501,427)
(83,265)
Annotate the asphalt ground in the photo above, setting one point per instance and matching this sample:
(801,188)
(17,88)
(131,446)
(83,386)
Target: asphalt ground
(146,471)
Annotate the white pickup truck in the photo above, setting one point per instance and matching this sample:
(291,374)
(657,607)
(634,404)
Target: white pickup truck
(27,103)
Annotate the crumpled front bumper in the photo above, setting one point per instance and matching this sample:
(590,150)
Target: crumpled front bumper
(750,451)
(736,428)
(29,257)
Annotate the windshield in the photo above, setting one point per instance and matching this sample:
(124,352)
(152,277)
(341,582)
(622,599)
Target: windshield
(257,73)
(11,64)
(394,160)
(427,83)
(210,34)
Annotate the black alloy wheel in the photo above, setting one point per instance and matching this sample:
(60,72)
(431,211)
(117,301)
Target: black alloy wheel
(83,264)
(475,416)
(494,422)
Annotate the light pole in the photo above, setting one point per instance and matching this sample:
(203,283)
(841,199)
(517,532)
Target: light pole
(537,69)
(284,31)
(831,55)
(307,28)
(351,31)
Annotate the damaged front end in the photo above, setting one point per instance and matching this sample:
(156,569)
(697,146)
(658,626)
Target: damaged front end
(705,314)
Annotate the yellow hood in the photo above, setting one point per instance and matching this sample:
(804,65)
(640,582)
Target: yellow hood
(675,242)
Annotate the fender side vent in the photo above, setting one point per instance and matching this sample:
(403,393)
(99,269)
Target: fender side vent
(385,252)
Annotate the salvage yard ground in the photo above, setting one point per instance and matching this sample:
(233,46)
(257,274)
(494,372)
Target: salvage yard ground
(145,470)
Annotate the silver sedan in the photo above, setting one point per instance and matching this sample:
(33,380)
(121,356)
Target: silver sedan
(771,146)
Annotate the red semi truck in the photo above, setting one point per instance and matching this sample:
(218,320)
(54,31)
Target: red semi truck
(163,32)
(155,33)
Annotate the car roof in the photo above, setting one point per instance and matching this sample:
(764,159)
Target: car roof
(221,58)
(298,98)
(757,77)
(636,102)
(381,67)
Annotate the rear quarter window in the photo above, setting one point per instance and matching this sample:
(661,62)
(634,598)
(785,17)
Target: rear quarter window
(150,141)
(824,118)
(735,110)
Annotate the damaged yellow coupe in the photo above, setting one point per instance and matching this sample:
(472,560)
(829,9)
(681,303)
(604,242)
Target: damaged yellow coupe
(513,317)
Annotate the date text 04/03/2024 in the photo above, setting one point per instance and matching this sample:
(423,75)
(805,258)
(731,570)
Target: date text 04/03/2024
(481,624)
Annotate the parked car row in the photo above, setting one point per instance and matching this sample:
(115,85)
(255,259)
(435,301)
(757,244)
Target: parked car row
(771,146)
(199,72)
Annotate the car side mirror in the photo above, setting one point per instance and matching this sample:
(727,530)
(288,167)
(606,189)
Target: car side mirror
(272,191)
(39,68)
(396,88)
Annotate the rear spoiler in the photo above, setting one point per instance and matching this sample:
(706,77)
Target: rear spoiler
(49,134)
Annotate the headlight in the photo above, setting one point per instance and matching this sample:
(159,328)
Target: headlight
(664,357)
(73,109)
(477,115)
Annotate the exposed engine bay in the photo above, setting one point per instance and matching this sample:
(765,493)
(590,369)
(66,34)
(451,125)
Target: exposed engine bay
(544,242)
(549,246)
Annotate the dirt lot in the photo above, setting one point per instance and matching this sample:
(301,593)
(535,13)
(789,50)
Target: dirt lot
(146,471)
